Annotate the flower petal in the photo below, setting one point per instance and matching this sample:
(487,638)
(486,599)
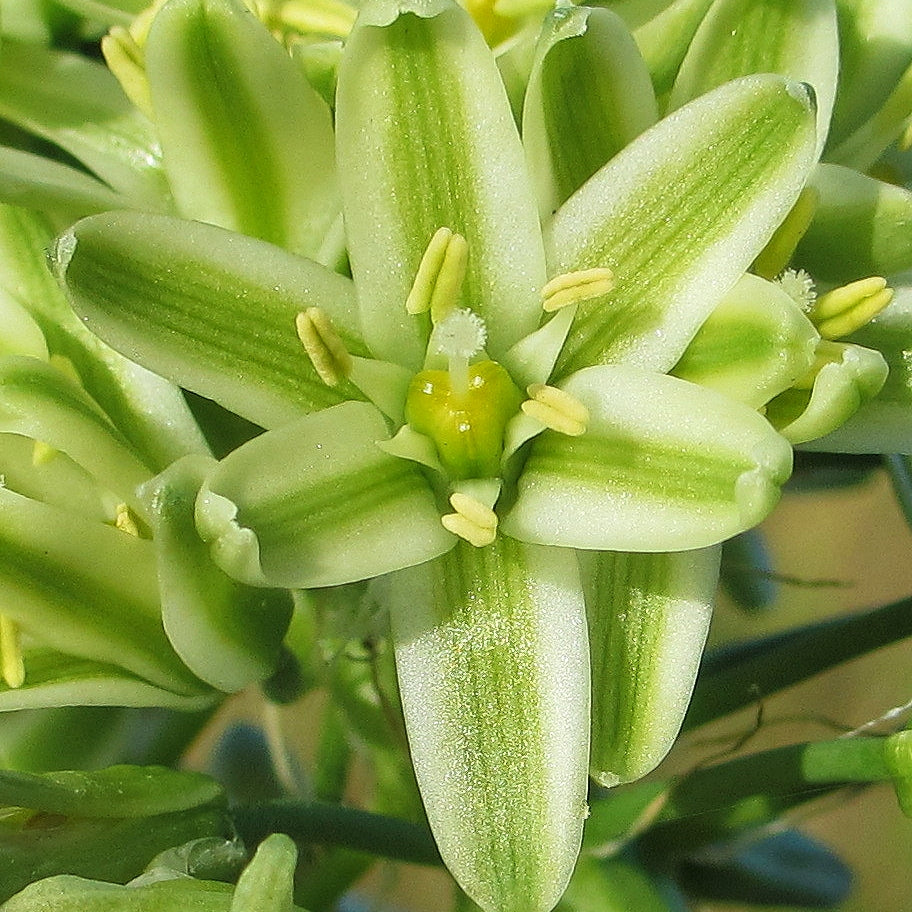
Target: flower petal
(678,216)
(754,345)
(227,634)
(318,503)
(223,324)
(247,143)
(664,465)
(426,140)
(648,619)
(795,38)
(494,676)
(589,95)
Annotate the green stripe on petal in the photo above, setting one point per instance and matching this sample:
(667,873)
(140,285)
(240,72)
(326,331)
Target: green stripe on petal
(211,310)
(147,410)
(38,401)
(247,142)
(678,216)
(493,672)
(795,38)
(55,679)
(85,589)
(589,95)
(754,345)
(76,103)
(882,424)
(228,634)
(318,503)
(648,619)
(426,140)
(664,465)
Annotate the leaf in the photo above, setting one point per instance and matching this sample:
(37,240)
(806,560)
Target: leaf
(317,503)
(678,216)
(247,143)
(664,465)
(223,324)
(425,139)
(493,673)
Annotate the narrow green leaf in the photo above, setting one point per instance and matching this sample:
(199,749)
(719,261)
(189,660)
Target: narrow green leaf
(38,401)
(426,139)
(247,142)
(795,38)
(664,465)
(85,589)
(754,345)
(77,104)
(875,48)
(223,320)
(32,180)
(493,671)
(118,791)
(589,95)
(146,409)
(648,619)
(860,229)
(678,216)
(318,503)
(228,634)
(54,679)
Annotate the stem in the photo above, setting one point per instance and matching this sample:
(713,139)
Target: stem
(899,468)
(333,824)
(733,678)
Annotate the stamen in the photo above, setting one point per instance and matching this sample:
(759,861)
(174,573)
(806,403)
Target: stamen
(327,352)
(573,287)
(844,310)
(782,245)
(42,453)
(556,410)
(125,521)
(12,665)
(440,275)
(472,521)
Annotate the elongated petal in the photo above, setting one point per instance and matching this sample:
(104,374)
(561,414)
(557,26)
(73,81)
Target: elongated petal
(678,216)
(795,38)
(754,345)
(247,142)
(211,310)
(426,139)
(228,634)
(85,589)
(493,672)
(31,180)
(589,95)
(56,679)
(77,104)
(266,883)
(648,619)
(861,227)
(884,423)
(664,465)
(318,503)
(149,411)
(38,401)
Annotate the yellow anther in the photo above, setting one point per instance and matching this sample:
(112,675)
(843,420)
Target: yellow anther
(125,521)
(844,310)
(573,287)
(781,246)
(556,409)
(42,453)
(440,275)
(327,352)
(12,665)
(473,521)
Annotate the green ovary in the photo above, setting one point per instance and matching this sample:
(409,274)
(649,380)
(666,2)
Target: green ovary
(467,427)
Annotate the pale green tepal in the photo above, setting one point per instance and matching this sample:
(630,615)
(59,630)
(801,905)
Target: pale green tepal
(456,424)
